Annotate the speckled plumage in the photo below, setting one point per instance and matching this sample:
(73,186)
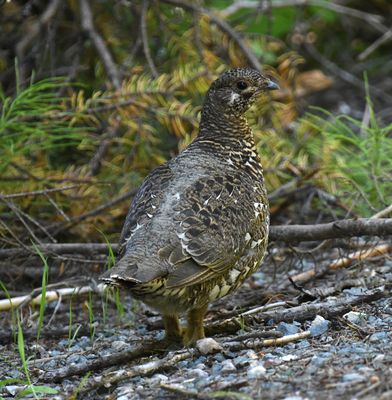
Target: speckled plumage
(198,226)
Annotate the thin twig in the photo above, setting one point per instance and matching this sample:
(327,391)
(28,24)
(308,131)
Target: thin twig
(144,36)
(373,19)
(51,295)
(36,27)
(42,192)
(86,17)
(223,26)
(386,37)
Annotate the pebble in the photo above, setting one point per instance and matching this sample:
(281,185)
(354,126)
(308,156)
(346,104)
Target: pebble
(256,372)
(252,355)
(76,359)
(158,378)
(216,369)
(241,360)
(199,373)
(302,344)
(351,377)
(208,346)
(378,361)
(319,326)
(219,357)
(288,329)
(355,317)
(378,337)
(228,366)
(355,291)
(320,359)
(119,345)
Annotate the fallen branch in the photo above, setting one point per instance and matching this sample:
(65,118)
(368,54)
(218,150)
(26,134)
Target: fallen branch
(328,309)
(342,262)
(332,230)
(105,361)
(344,228)
(52,295)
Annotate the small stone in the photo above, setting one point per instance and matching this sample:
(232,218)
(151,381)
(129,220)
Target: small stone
(288,329)
(379,336)
(241,360)
(319,326)
(119,345)
(219,357)
(199,373)
(302,344)
(378,361)
(355,291)
(256,372)
(216,369)
(355,317)
(289,357)
(252,355)
(208,346)
(228,366)
(158,378)
(13,389)
(76,359)
(353,377)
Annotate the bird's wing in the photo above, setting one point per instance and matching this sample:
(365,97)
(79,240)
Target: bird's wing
(213,218)
(145,204)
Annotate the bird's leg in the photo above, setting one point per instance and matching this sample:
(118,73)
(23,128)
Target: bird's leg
(195,328)
(172,328)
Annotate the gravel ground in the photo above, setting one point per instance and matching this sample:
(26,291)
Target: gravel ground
(348,356)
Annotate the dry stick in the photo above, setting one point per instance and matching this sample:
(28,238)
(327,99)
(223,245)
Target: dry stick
(96,161)
(373,19)
(343,74)
(287,233)
(57,208)
(87,249)
(86,17)
(58,227)
(143,32)
(359,255)
(328,309)
(105,361)
(52,295)
(332,230)
(36,27)
(383,212)
(42,192)
(386,37)
(19,215)
(223,26)
(252,343)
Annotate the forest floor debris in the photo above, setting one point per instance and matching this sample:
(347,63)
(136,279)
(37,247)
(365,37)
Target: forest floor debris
(278,341)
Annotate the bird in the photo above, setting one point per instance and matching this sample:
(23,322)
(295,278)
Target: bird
(198,225)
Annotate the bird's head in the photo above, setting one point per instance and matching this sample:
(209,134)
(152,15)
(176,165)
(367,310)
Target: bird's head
(235,90)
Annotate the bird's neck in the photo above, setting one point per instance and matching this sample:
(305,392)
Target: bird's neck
(225,129)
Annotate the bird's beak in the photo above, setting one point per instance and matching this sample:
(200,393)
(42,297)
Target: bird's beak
(271,85)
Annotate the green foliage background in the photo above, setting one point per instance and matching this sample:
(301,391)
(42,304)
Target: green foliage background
(61,112)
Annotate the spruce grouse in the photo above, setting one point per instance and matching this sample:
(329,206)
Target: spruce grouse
(198,226)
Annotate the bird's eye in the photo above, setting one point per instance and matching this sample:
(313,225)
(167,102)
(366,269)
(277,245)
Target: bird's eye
(242,85)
